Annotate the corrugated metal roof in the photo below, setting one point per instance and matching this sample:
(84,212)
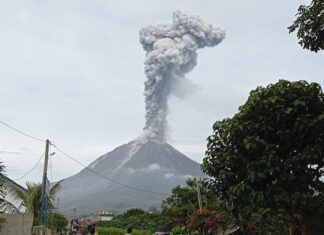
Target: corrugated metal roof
(11,182)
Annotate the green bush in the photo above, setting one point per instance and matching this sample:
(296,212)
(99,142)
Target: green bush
(140,220)
(119,231)
(36,222)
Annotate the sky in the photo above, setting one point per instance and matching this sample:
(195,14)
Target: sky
(73,72)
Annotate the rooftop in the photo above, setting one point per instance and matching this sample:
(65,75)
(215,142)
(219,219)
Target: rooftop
(11,182)
(103,213)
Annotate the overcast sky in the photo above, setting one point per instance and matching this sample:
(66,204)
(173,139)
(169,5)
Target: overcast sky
(73,72)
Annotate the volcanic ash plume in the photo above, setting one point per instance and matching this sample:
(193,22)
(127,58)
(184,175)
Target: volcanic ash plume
(170,54)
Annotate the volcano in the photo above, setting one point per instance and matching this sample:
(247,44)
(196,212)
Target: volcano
(142,173)
(153,168)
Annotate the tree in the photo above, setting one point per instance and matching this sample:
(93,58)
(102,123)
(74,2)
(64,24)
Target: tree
(267,161)
(57,222)
(2,187)
(182,205)
(139,219)
(184,200)
(133,212)
(33,199)
(310,26)
(2,191)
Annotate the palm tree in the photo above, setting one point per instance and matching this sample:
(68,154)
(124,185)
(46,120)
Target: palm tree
(2,187)
(2,190)
(32,200)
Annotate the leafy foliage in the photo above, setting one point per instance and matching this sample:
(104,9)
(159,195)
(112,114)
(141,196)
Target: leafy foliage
(133,212)
(119,231)
(57,222)
(37,222)
(182,205)
(32,201)
(211,222)
(310,25)
(178,230)
(2,187)
(177,210)
(184,201)
(5,206)
(268,159)
(139,219)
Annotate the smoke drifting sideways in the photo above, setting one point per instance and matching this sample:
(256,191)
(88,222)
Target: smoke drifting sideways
(170,54)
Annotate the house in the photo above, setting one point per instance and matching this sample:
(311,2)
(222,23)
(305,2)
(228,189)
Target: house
(9,197)
(103,216)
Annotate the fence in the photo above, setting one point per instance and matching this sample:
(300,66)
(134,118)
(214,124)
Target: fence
(18,224)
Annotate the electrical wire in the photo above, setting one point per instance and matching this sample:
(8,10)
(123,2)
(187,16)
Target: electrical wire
(31,168)
(23,133)
(80,163)
(106,178)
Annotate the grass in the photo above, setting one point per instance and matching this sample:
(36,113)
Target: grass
(119,231)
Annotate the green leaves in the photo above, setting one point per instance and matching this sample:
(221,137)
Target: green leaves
(57,222)
(288,110)
(261,156)
(33,199)
(146,221)
(119,231)
(246,143)
(309,26)
(2,187)
(299,102)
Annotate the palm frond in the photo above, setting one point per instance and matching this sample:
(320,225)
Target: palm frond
(18,195)
(32,201)
(55,188)
(53,191)
(2,186)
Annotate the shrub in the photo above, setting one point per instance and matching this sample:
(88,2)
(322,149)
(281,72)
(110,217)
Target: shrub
(119,231)
(151,222)
(36,222)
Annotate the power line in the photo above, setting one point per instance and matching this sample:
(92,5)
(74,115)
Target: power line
(80,163)
(23,133)
(31,168)
(106,178)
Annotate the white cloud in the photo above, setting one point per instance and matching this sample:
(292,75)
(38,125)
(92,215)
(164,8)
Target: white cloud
(168,175)
(153,167)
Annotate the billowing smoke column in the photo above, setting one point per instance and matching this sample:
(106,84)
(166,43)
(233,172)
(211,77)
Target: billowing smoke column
(170,54)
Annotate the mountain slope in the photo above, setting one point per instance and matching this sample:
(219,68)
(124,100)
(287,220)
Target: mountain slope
(149,166)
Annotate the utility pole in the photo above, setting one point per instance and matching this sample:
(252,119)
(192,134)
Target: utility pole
(199,200)
(199,196)
(44,181)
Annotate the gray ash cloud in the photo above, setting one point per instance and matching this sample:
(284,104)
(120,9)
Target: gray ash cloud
(170,54)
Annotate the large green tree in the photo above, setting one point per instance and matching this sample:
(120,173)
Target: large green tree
(310,26)
(268,158)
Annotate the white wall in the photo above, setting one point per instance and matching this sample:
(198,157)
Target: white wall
(17,224)
(106,218)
